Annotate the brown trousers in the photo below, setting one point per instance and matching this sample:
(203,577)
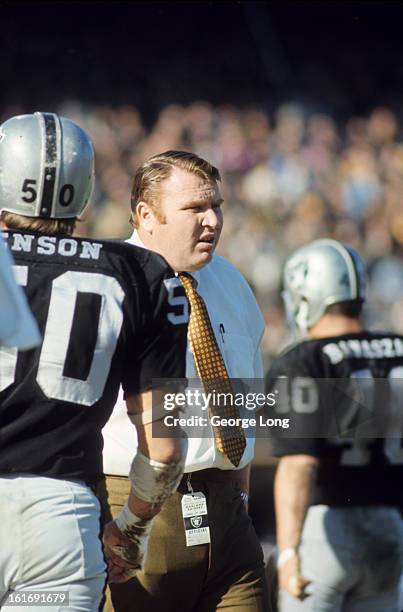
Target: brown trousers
(227,574)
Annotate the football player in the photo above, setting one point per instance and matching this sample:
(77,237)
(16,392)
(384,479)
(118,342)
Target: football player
(338,483)
(105,316)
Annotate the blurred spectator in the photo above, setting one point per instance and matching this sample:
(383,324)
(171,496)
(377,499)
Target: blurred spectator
(287,180)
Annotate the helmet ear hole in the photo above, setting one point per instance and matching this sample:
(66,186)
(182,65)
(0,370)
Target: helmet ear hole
(302,315)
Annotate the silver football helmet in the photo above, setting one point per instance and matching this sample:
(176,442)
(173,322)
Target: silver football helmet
(320,274)
(46,166)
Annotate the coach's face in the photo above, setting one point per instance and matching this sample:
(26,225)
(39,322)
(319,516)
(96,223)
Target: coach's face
(189,221)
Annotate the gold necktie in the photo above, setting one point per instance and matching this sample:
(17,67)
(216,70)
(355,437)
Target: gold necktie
(212,372)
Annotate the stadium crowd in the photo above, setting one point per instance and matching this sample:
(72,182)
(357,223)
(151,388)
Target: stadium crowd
(288,179)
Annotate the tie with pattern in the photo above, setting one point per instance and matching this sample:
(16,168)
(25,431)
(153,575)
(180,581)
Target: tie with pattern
(212,372)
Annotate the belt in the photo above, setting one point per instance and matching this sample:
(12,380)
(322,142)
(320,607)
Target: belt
(213,475)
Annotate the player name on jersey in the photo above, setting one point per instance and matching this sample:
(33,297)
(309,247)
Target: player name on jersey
(375,348)
(49,245)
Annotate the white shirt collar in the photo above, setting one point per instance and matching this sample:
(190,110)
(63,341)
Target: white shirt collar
(136,240)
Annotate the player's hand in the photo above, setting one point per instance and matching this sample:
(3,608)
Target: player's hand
(124,556)
(291,580)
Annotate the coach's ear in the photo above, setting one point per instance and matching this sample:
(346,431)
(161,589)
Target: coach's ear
(146,217)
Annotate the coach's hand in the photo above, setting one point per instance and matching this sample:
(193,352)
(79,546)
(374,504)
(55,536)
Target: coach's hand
(291,580)
(124,556)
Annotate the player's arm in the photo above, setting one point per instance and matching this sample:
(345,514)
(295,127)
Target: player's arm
(155,474)
(293,488)
(159,462)
(18,327)
(296,472)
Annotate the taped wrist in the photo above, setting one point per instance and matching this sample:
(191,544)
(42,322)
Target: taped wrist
(153,481)
(137,530)
(156,413)
(126,520)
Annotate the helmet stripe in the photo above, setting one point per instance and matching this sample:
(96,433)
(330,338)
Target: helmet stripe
(349,260)
(357,295)
(49,174)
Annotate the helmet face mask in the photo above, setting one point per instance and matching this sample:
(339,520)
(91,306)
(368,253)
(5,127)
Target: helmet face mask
(46,166)
(320,274)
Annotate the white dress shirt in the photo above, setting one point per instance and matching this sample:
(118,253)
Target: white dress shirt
(238,326)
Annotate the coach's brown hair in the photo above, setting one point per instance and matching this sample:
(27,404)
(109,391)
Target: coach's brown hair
(147,179)
(64,227)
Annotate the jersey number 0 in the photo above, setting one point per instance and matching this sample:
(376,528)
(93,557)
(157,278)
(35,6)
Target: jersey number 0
(56,338)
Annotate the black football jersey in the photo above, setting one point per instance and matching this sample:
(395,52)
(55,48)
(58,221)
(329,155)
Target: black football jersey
(109,313)
(344,399)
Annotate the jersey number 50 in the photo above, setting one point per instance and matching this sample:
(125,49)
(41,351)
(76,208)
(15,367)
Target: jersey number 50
(56,338)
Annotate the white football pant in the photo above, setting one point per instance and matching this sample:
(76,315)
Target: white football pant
(50,543)
(354,557)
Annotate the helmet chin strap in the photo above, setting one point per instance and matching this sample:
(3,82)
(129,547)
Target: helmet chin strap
(301,318)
